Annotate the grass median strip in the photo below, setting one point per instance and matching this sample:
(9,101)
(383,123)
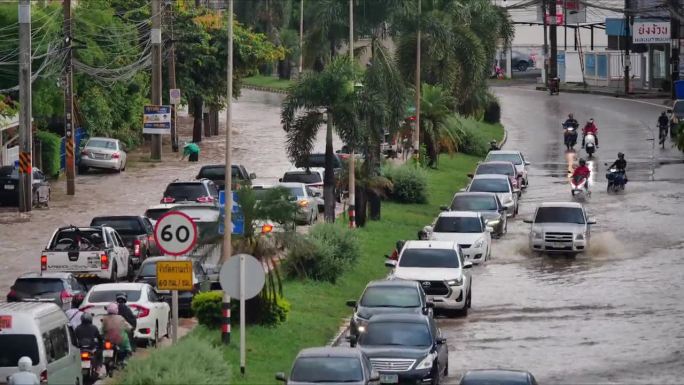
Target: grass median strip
(267,82)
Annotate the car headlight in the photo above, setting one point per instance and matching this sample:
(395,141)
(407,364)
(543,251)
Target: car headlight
(493,222)
(537,234)
(580,237)
(456,281)
(427,362)
(478,243)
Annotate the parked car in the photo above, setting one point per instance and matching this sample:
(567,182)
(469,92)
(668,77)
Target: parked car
(39,331)
(312,178)
(468,229)
(521,61)
(87,252)
(137,233)
(382,297)
(307,203)
(9,185)
(515,157)
(497,376)
(217,174)
(152,313)
(498,184)
(487,204)
(200,280)
(58,288)
(201,191)
(405,348)
(501,168)
(318,160)
(560,227)
(441,271)
(334,365)
(103,153)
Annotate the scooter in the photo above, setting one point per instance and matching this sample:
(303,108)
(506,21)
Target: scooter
(616,180)
(578,187)
(570,137)
(590,144)
(112,357)
(89,364)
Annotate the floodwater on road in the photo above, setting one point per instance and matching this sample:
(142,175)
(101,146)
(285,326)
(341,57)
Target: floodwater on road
(610,315)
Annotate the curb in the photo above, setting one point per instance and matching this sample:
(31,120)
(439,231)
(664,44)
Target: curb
(505,138)
(344,329)
(265,89)
(617,94)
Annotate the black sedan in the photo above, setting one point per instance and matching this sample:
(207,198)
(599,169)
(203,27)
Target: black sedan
(9,185)
(385,297)
(497,377)
(487,204)
(334,365)
(405,348)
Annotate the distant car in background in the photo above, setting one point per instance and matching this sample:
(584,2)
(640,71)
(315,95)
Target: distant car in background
(521,61)
(104,153)
(217,174)
(58,288)
(9,185)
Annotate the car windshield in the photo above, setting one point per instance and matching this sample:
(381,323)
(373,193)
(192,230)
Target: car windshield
(76,239)
(102,143)
(148,269)
(219,172)
(474,203)
(185,191)
(261,192)
(559,215)
(37,286)
(9,172)
(128,226)
(513,158)
(303,177)
(396,333)
(496,168)
(318,160)
(446,258)
(327,369)
(99,296)
(489,185)
(15,346)
(388,296)
(458,225)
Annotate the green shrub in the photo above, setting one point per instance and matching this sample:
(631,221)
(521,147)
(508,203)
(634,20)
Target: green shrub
(50,146)
(193,360)
(492,112)
(207,308)
(410,184)
(310,258)
(260,310)
(342,241)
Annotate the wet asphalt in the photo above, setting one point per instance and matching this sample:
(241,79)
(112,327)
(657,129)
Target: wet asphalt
(612,314)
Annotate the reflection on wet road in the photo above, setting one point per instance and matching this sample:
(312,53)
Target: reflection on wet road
(612,314)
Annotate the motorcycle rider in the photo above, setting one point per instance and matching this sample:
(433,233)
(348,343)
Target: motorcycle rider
(620,163)
(570,122)
(24,376)
(74,314)
(88,336)
(582,171)
(115,329)
(590,128)
(127,313)
(493,146)
(663,122)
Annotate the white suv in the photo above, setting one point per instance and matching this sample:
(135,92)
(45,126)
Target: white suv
(441,271)
(468,229)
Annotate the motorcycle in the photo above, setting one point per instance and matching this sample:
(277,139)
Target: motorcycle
(89,364)
(570,137)
(112,357)
(616,180)
(662,135)
(578,187)
(590,144)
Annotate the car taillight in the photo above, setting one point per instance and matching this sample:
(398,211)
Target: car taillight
(43,377)
(116,155)
(65,296)
(136,247)
(104,261)
(108,345)
(12,294)
(303,203)
(266,228)
(84,153)
(85,356)
(142,311)
(206,199)
(43,262)
(168,200)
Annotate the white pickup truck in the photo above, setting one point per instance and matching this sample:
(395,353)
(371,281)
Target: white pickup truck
(87,252)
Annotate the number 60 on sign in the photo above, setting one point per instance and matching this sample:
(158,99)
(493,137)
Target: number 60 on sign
(175,233)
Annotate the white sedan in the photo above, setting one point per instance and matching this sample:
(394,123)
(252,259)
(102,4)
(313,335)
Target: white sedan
(468,229)
(153,315)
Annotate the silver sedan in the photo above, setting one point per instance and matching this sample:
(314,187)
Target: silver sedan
(103,153)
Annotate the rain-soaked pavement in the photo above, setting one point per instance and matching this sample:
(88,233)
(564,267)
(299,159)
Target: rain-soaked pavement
(258,142)
(613,314)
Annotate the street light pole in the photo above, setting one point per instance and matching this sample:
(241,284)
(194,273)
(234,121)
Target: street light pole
(228,208)
(155,36)
(352,161)
(70,159)
(301,37)
(416,129)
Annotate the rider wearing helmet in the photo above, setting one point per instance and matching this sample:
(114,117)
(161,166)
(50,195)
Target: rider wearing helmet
(571,122)
(125,311)
(115,329)
(87,334)
(582,171)
(24,376)
(620,163)
(590,128)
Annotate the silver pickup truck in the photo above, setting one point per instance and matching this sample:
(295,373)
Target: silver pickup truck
(560,227)
(87,252)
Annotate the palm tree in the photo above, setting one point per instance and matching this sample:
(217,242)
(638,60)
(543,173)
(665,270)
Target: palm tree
(440,129)
(318,98)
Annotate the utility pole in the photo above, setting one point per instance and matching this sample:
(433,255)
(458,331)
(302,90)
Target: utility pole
(565,25)
(172,84)
(25,169)
(546,46)
(553,36)
(628,43)
(227,217)
(416,129)
(156,147)
(352,161)
(70,159)
(675,30)
(301,37)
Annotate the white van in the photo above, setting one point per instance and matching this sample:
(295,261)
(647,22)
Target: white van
(39,331)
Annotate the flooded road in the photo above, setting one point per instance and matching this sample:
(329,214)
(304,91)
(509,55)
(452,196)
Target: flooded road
(613,314)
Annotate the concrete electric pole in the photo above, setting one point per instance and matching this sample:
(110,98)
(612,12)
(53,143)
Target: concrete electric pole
(352,161)
(25,126)
(69,132)
(301,37)
(156,145)
(553,36)
(628,43)
(416,129)
(675,30)
(227,217)
(172,84)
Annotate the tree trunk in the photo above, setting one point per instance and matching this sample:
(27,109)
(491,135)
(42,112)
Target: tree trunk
(197,103)
(329,177)
(431,151)
(214,117)
(374,206)
(360,201)
(207,124)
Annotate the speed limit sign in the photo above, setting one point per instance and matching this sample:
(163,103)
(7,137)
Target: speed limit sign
(175,233)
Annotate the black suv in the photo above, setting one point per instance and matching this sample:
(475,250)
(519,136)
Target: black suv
(217,174)
(201,191)
(59,288)
(9,185)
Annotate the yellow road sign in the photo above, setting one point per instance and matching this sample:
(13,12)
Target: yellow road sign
(174,275)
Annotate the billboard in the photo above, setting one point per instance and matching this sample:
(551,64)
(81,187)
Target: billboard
(570,11)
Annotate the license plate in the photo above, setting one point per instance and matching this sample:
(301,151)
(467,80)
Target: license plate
(85,364)
(559,244)
(389,378)
(9,187)
(108,353)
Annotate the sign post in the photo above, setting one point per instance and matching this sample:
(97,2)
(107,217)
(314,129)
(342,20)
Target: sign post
(176,234)
(157,120)
(242,276)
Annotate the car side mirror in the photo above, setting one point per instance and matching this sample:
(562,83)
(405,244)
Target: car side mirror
(430,305)
(280,180)
(669,111)
(391,263)
(462,190)
(252,176)
(526,220)
(527,163)
(374,377)
(504,208)
(591,222)
(444,208)
(441,341)
(353,340)
(467,265)
(351,303)
(470,175)
(280,376)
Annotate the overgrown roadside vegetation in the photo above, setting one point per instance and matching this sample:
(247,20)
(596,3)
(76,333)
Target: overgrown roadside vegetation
(318,307)
(267,82)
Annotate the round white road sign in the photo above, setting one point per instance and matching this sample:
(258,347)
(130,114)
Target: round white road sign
(175,233)
(229,276)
